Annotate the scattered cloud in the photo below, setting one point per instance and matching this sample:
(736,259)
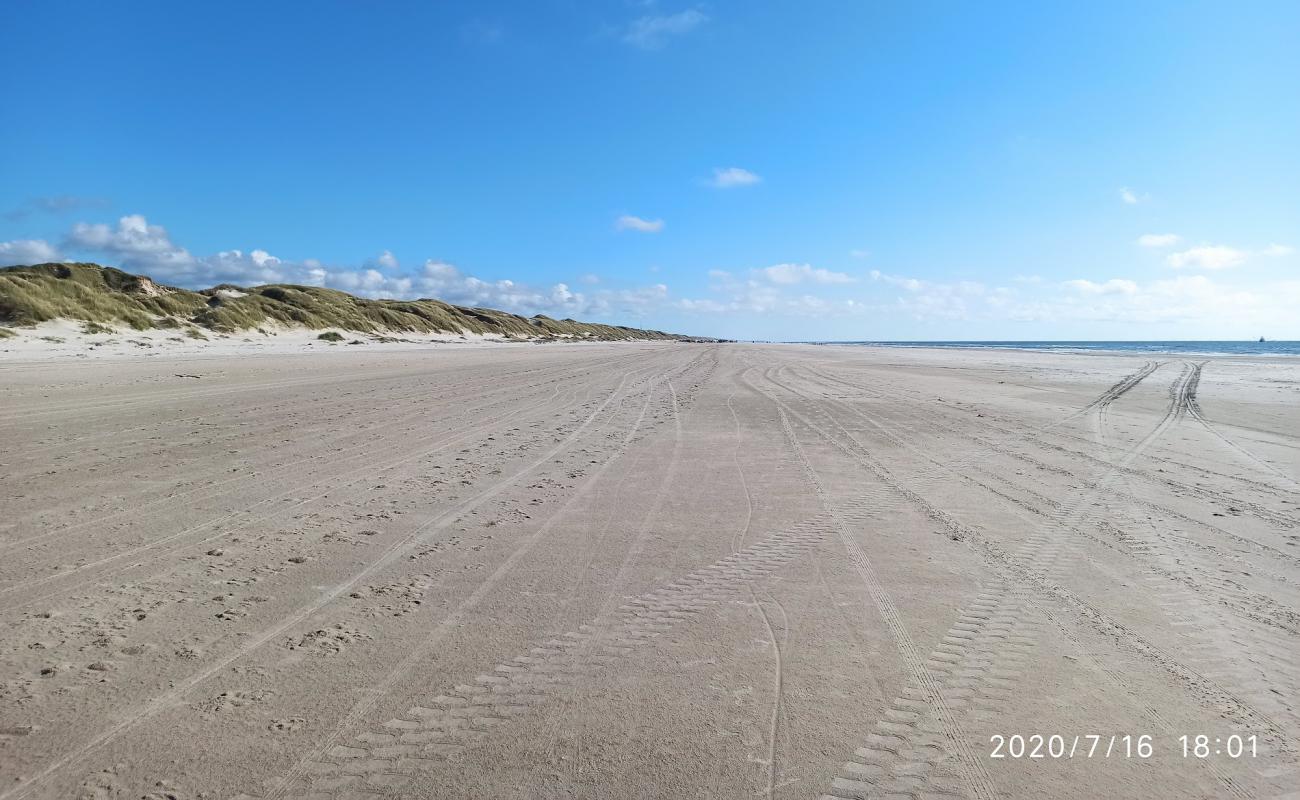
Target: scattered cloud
(1130,197)
(860,253)
(1207,257)
(446,282)
(798,273)
(134,243)
(652,32)
(27,251)
(910,284)
(1112,286)
(732,177)
(1186,299)
(1213,257)
(227,266)
(627,222)
(768,290)
(796,290)
(137,245)
(954,300)
(1158,239)
(386,260)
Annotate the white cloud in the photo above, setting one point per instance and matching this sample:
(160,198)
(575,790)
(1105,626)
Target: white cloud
(1158,239)
(263,259)
(446,282)
(1189,300)
(135,244)
(956,300)
(1207,257)
(1184,299)
(627,222)
(27,251)
(652,32)
(133,238)
(766,290)
(227,266)
(1277,250)
(1112,286)
(731,177)
(703,305)
(910,284)
(798,273)
(860,253)
(1130,197)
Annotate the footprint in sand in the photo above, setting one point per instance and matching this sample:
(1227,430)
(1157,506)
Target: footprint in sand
(286,725)
(227,701)
(328,640)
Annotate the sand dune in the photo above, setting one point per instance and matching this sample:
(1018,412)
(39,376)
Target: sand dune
(648,570)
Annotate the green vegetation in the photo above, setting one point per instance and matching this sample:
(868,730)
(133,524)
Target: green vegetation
(331,336)
(105,296)
(95,327)
(5,333)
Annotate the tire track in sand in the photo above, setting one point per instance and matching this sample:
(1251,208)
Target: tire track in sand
(1248,605)
(423,648)
(167,502)
(161,702)
(970,768)
(1193,410)
(986,647)
(383,760)
(348,477)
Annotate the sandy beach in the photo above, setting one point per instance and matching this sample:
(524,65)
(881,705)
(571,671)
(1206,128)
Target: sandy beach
(648,570)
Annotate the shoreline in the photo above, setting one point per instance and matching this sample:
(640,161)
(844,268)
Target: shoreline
(1022,347)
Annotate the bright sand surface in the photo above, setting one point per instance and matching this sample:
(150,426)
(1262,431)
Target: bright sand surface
(645,570)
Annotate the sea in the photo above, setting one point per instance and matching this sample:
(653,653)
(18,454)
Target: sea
(1237,348)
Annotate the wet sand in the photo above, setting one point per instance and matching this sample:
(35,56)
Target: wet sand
(648,570)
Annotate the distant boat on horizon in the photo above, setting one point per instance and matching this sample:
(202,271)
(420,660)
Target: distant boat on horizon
(1261,338)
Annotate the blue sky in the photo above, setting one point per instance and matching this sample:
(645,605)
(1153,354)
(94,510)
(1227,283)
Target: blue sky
(838,170)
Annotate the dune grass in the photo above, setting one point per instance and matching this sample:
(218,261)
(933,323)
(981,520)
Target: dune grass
(105,296)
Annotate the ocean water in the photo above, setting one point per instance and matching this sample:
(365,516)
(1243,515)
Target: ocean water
(1178,347)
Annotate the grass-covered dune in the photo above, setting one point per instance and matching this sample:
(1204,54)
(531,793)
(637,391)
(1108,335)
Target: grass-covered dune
(106,296)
